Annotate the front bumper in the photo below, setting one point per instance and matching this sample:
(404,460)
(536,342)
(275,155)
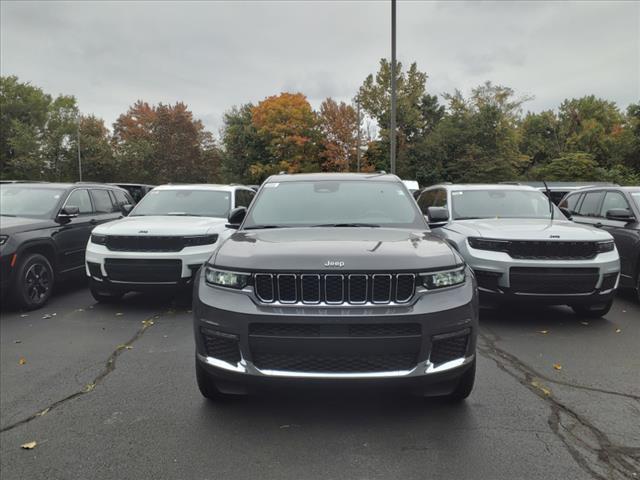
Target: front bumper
(552,282)
(437,317)
(7,264)
(140,271)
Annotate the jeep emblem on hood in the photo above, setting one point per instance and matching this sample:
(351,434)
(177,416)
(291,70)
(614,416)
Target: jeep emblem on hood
(334,263)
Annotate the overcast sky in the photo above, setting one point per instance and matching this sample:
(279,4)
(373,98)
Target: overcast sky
(213,55)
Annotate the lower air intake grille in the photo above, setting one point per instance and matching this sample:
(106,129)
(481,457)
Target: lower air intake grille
(143,271)
(452,346)
(221,346)
(337,330)
(334,363)
(540,280)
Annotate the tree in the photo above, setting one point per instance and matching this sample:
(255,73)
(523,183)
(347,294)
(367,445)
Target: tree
(98,162)
(572,167)
(417,112)
(540,137)
(243,146)
(287,125)
(339,128)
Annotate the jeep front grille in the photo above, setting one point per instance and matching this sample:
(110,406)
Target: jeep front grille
(335,288)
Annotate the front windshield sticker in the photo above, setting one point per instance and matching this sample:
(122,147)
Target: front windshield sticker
(457,193)
(271,185)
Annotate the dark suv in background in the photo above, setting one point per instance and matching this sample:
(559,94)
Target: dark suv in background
(44,229)
(334,278)
(616,210)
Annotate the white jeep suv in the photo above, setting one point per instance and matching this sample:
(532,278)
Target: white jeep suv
(522,248)
(163,241)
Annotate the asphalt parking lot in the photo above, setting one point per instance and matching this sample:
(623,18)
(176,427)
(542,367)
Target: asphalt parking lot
(108,391)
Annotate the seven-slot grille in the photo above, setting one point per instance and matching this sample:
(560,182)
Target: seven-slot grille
(335,288)
(123,243)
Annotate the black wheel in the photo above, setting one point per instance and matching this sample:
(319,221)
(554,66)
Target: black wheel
(103,295)
(593,311)
(34,281)
(207,386)
(465,385)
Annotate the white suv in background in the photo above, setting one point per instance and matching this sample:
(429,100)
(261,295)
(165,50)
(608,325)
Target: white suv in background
(522,248)
(163,241)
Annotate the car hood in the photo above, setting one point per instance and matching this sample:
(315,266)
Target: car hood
(294,249)
(12,225)
(165,225)
(528,229)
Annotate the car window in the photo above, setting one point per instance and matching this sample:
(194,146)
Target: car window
(440,198)
(613,200)
(102,201)
(426,200)
(571,202)
(183,202)
(121,198)
(590,205)
(80,199)
(496,203)
(29,201)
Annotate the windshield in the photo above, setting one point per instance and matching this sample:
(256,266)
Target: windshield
(28,201)
(469,204)
(334,203)
(193,203)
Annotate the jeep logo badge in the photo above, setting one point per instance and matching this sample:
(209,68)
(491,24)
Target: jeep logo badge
(143,231)
(554,236)
(334,263)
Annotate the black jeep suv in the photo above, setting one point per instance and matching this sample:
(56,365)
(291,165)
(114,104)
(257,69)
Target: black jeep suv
(44,229)
(334,278)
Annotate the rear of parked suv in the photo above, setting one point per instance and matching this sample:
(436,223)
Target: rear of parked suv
(522,248)
(334,279)
(615,210)
(164,240)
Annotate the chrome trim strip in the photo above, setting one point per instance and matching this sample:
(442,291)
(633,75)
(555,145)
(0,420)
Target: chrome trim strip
(302,297)
(413,287)
(422,368)
(373,287)
(295,288)
(273,293)
(366,288)
(144,283)
(341,277)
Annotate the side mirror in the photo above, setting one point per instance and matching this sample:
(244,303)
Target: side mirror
(69,212)
(567,213)
(236,216)
(437,216)
(126,209)
(620,214)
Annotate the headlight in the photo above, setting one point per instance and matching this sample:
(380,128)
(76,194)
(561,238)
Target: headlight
(223,278)
(448,278)
(98,239)
(606,246)
(489,244)
(3,239)
(200,240)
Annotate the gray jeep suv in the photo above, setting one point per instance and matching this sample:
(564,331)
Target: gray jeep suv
(334,278)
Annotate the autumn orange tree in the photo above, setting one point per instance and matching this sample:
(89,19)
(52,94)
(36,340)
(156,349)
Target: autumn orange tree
(287,125)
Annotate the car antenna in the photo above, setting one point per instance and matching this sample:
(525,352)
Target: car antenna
(548,193)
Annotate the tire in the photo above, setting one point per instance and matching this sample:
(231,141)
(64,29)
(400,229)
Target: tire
(102,295)
(592,311)
(207,386)
(465,385)
(34,281)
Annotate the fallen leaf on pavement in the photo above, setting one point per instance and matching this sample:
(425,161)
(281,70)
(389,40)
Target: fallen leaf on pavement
(585,323)
(618,330)
(541,387)
(557,366)
(24,315)
(119,314)
(22,361)
(128,347)
(89,387)
(46,316)
(28,445)
(147,323)
(17,341)
(43,412)
(544,332)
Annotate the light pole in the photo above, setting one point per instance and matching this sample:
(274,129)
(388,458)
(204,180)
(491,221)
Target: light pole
(358,153)
(79,158)
(393,87)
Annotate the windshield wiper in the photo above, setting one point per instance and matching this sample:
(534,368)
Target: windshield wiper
(469,218)
(259,227)
(372,225)
(6,215)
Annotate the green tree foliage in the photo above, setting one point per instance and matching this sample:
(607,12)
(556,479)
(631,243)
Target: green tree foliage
(98,161)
